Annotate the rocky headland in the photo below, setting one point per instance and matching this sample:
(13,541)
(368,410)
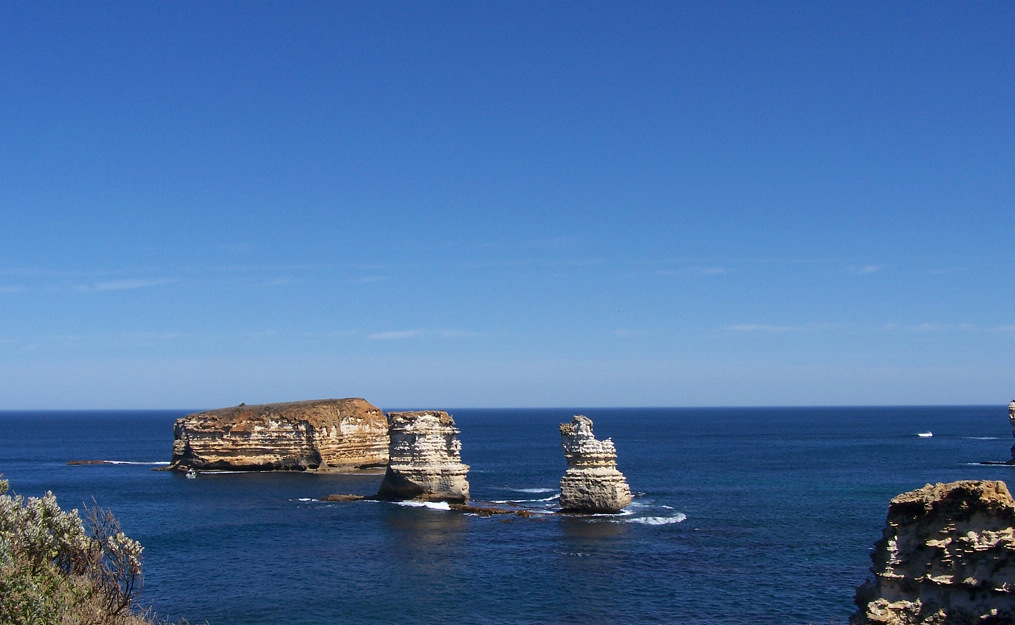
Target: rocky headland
(322,435)
(592,483)
(424,459)
(946,557)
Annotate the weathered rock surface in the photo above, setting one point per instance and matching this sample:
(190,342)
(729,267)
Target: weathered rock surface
(327,434)
(1011,418)
(592,482)
(947,557)
(424,459)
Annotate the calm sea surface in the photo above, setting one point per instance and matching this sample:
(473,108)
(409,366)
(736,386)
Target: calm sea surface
(741,516)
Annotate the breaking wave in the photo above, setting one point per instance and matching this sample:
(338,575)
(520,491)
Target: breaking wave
(658,520)
(149,464)
(433,505)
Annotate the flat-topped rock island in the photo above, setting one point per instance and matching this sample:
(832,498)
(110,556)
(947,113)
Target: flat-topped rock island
(316,435)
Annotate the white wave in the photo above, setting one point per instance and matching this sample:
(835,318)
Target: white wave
(151,464)
(925,434)
(552,497)
(659,520)
(612,516)
(533,491)
(306,499)
(982,438)
(433,505)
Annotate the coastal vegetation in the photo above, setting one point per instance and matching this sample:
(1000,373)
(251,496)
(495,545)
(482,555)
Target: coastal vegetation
(57,568)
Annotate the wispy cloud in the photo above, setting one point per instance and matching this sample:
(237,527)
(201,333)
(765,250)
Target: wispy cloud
(130,284)
(13,289)
(765,328)
(408,334)
(864,270)
(929,327)
(393,336)
(694,271)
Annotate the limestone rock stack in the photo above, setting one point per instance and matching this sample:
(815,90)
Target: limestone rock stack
(328,434)
(1011,418)
(592,482)
(947,557)
(425,461)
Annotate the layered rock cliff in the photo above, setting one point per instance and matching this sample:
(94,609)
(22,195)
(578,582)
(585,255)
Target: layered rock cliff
(424,459)
(327,434)
(946,557)
(592,482)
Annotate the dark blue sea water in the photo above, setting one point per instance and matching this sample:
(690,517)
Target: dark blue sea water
(742,516)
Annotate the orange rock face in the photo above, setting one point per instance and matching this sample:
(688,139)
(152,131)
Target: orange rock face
(327,434)
(947,557)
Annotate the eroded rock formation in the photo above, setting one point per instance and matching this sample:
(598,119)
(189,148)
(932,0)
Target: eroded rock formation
(1011,418)
(592,482)
(327,434)
(946,557)
(424,459)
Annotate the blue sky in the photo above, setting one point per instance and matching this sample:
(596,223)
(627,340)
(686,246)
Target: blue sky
(506,203)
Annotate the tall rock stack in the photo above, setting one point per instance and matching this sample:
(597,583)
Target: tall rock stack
(1011,418)
(326,434)
(424,459)
(592,483)
(946,557)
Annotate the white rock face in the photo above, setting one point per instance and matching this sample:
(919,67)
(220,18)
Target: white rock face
(592,482)
(1011,418)
(424,459)
(947,557)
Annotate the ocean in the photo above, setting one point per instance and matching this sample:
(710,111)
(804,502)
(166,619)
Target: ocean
(741,516)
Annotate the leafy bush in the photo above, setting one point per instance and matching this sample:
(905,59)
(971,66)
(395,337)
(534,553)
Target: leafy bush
(55,571)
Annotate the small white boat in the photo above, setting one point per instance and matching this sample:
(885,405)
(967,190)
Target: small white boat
(925,434)
(191,474)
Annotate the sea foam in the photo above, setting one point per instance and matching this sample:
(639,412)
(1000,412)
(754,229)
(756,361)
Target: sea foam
(433,505)
(658,520)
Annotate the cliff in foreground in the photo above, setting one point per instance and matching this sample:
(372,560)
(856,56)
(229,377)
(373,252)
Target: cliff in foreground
(327,434)
(946,557)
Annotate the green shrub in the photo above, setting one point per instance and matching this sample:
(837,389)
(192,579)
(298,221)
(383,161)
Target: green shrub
(55,570)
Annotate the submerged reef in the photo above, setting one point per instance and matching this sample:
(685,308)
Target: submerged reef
(592,483)
(326,434)
(946,557)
